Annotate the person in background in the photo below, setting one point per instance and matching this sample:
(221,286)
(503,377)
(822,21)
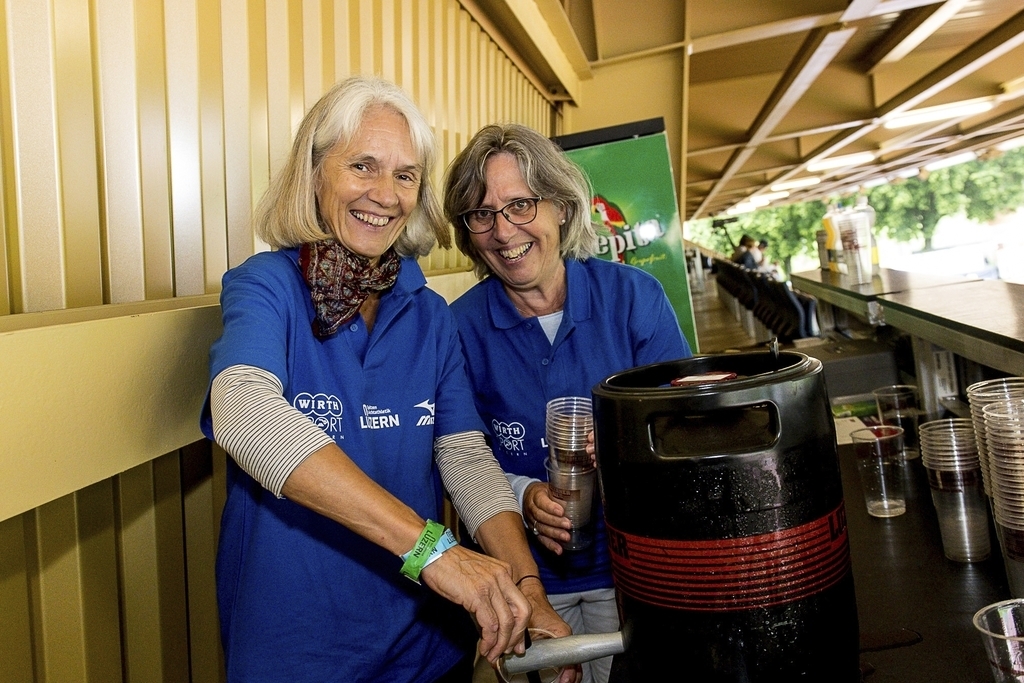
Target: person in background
(744,253)
(547,320)
(756,251)
(764,264)
(339,391)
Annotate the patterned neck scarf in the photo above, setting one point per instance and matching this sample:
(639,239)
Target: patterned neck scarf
(340,281)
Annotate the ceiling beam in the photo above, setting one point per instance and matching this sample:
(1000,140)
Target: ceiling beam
(991,46)
(860,9)
(813,57)
(1007,36)
(753,34)
(1004,127)
(909,31)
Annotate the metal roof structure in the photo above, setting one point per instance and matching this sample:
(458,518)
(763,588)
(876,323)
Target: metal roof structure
(774,89)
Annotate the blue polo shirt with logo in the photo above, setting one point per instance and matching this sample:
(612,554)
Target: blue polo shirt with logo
(301,597)
(615,317)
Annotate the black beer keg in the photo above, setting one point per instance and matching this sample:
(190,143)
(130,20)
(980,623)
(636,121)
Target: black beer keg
(724,508)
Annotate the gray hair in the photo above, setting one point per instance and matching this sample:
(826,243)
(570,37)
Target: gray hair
(545,169)
(287,215)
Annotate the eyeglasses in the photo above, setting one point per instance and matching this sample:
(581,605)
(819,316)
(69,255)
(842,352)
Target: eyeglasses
(517,212)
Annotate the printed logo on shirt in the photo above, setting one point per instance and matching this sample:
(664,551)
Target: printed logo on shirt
(323,410)
(378,418)
(425,419)
(509,434)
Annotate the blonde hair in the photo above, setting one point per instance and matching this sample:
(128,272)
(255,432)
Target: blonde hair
(287,215)
(545,170)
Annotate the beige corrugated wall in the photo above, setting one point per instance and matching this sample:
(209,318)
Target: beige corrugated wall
(135,136)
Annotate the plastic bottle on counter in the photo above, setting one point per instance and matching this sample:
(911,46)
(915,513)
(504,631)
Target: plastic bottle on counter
(856,236)
(834,240)
(862,204)
(821,237)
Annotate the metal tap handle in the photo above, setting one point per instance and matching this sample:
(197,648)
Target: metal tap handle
(559,652)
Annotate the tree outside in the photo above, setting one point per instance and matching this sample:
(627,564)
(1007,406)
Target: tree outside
(906,210)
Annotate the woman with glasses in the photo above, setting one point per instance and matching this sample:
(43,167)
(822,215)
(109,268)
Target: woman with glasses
(546,321)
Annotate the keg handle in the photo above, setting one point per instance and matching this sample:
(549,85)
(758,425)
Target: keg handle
(567,651)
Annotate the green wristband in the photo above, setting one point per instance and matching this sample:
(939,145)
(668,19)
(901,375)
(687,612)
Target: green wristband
(417,558)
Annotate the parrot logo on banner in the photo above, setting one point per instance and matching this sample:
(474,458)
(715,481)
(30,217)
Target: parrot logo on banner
(611,218)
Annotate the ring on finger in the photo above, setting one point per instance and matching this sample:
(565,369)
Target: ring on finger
(535,532)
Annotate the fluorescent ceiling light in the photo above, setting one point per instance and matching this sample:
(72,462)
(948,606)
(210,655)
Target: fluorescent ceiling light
(759,201)
(796,183)
(942,112)
(841,161)
(908,173)
(742,207)
(951,161)
(874,182)
(772,196)
(1007,145)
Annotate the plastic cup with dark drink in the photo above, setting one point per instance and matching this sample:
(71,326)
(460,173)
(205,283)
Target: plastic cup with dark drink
(573,488)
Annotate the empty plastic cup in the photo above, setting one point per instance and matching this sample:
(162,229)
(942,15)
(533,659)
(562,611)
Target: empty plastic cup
(897,405)
(1001,626)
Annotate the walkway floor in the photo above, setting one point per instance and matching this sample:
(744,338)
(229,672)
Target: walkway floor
(717,329)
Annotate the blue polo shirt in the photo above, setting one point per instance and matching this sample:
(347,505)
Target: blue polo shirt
(615,317)
(301,597)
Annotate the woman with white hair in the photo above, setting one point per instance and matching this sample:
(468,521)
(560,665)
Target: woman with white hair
(339,390)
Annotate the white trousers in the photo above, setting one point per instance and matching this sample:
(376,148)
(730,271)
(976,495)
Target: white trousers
(590,612)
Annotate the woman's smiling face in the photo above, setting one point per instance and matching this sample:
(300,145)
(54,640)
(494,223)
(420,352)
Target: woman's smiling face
(369,188)
(527,256)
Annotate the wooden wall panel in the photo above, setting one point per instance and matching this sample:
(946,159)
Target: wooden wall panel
(124,278)
(76,136)
(98,551)
(154,161)
(203,482)
(181,22)
(259,107)
(211,145)
(8,193)
(238,154)
(36,262)
(16,654)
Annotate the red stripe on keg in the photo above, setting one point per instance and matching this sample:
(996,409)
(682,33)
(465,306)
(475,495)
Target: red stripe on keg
(736,573)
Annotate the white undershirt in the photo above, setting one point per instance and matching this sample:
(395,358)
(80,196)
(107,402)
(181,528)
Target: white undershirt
(550,323)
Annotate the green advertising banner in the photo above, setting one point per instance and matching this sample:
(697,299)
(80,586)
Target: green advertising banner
(635,207)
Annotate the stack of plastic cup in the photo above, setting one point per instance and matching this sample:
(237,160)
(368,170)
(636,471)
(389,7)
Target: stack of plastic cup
(979,395)
(1004,435)
(568,422)
(950,456)
(571,474)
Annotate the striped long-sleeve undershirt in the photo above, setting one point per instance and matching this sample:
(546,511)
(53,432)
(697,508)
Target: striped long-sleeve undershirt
(269,438)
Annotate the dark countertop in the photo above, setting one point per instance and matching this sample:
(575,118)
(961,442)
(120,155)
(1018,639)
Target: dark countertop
(885,282)
(863,299)
(906,587)
(989,311)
